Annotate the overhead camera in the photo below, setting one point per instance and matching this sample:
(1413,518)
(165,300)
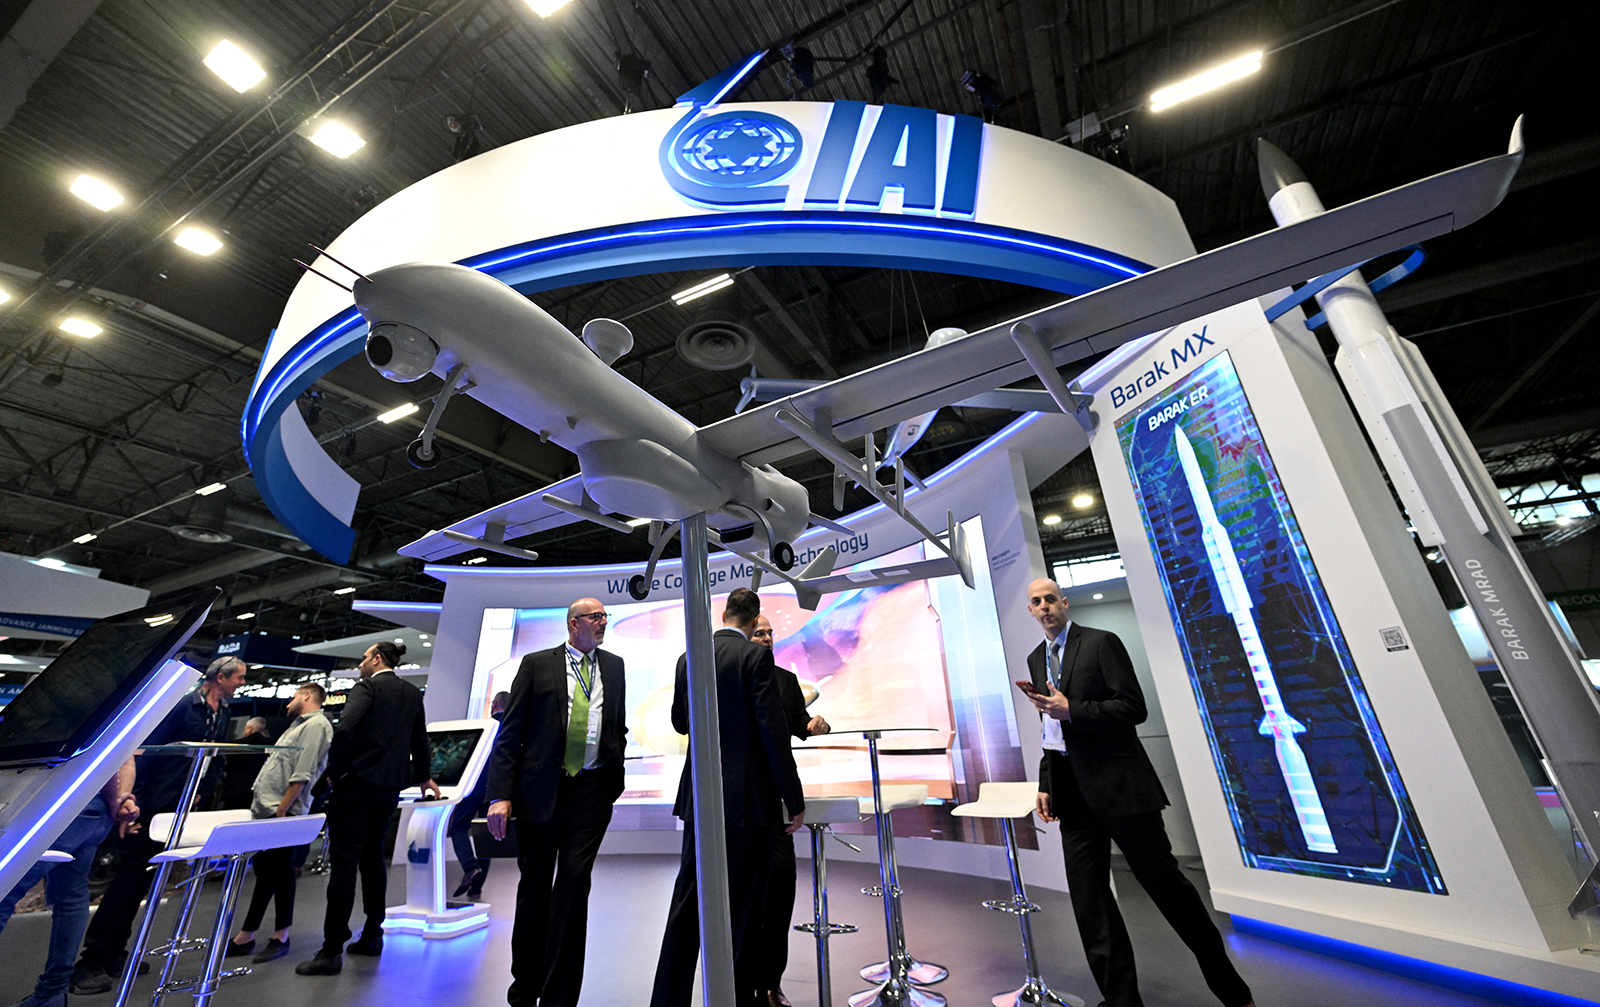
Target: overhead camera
(400,352)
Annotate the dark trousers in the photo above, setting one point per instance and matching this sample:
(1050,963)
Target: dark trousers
(1086,843)
(274,885)
(105,943)
(749,866)
(460,833)
(556,859)
(777,916)
(358,819)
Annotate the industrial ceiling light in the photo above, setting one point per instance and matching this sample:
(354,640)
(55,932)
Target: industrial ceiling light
(80,327)
(474,561)
(1083,500)
(337,139)
(158,620)
(4,296)
(984,87)
(803,62)
(344,590)
(51,562)
(1208,80)
(96,193)
(545,8)
(206,491)
(1098,596)
(878,73)
(85,538)
(234,66)
(638,522)
(197,240)
(397,413)
(1051,520)
(699,290)
(244,616)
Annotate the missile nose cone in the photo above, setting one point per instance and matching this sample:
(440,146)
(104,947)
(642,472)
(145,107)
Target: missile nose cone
(1278,170)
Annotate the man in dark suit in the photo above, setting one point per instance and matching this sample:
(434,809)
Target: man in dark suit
(761,803)
(1097,780)
(557,768)
(779,910)
(379,748)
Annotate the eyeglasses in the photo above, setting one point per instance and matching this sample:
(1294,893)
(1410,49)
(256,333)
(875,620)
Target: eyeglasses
(593,616)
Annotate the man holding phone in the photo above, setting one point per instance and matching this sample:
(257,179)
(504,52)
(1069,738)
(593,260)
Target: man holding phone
(1095,778)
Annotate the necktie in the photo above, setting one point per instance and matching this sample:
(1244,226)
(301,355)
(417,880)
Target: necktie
(578,722)
(1053,664)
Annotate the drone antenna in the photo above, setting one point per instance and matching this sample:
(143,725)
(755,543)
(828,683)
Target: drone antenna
(323,253)
(325,276)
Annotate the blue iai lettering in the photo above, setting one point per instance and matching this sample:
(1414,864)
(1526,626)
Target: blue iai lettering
(902,154)
(833,158)
(961,172)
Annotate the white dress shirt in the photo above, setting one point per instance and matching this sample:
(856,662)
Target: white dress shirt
(1053,737)
(591,744)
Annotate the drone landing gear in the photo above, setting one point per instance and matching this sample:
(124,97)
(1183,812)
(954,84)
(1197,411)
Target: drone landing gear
(423,453)
(639,583)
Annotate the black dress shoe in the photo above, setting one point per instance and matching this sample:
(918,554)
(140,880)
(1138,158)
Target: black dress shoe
(371,946)
(472,880)
(274,950)
(87,980)
(321,965)
(237,950)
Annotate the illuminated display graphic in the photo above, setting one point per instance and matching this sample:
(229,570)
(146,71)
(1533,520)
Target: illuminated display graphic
(1309,780)
(918,655)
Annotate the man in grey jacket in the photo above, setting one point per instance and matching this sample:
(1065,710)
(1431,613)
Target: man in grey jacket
(282,788)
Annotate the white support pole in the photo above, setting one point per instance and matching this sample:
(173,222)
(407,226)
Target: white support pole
(710,834)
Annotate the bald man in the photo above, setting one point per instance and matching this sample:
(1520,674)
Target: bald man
(557,769)
(1095,778)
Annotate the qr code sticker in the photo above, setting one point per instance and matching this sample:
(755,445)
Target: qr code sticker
(1394,638)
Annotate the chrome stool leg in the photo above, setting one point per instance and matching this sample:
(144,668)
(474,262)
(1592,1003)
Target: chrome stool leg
(919,972)
(820,927)
(897,989)
(1034,990)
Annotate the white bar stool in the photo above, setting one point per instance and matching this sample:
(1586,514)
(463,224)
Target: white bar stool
(233,840)
(901,975)
(1007,801)
(822,812)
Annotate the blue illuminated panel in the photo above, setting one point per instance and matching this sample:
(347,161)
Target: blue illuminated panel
(1291,728)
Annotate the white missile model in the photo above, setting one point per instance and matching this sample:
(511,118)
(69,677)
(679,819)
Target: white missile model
(1277,723)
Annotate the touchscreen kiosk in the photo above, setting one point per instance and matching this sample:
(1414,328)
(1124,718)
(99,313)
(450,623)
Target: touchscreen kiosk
(460,755)
(69,730)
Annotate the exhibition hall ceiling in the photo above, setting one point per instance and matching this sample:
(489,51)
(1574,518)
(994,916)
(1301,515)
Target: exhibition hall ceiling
(111,436)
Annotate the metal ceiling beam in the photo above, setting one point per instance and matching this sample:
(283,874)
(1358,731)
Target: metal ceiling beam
(1536,367)
(32,44)
(781,313)
(1510,269)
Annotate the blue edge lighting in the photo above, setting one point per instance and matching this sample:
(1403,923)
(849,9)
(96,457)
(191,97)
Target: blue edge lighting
(891,241)
(1460,980)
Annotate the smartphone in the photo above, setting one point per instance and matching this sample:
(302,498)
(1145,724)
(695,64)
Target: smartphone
(1027,687)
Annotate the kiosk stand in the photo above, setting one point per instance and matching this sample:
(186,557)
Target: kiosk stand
(460,755)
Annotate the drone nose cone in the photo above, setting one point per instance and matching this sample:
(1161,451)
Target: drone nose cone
(1278,170)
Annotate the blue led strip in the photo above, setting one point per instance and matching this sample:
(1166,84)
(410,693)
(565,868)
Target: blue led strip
(677,243)
(1460,980)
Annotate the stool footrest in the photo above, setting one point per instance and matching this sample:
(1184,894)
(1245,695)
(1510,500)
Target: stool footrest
(190,982)
(828,928)
(179,947)
(1012,906)
(876,891)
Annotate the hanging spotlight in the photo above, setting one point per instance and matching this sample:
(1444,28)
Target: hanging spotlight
(1083,500)
(802,62)
(337,139)
(632,69)
(545,8)
(234,66)
(80,327)
(197,240)
(984,86)
(1208,80)
(878,73)
(98,194)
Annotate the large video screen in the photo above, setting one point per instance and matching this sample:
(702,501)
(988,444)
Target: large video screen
(1310,783)
(924,654)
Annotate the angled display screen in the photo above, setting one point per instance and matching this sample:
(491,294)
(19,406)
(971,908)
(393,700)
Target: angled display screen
(452,750)
(1307,775)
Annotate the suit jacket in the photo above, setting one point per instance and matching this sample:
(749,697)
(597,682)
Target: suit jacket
(759,778)
(382,736)
(526,766)
(1112,770)
(795,716)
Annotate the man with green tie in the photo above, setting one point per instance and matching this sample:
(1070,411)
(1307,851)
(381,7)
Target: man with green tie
(557,770)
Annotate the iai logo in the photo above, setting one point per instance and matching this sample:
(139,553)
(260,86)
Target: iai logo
(745,159)
(731,159)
